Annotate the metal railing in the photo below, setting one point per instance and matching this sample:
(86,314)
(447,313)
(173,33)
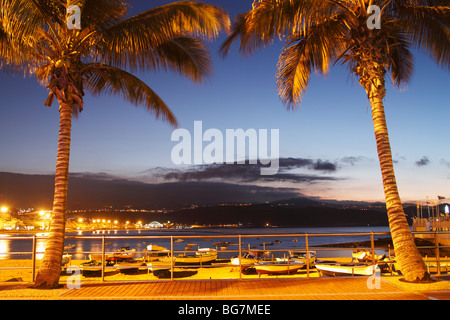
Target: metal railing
(308,247)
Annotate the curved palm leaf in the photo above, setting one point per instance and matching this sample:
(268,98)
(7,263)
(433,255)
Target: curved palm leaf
(429,29)
(101,79)
(270,19)
(134,42)
(312,49)
(186,55)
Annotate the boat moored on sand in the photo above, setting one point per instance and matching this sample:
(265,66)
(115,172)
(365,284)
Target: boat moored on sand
(301,255)
(362,255)
(155,252)
(130,266)
(346,269)
(202,256)
(247,260)
(278,267)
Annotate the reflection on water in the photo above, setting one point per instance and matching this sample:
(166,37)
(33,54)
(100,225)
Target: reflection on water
(273,240)
(4,249)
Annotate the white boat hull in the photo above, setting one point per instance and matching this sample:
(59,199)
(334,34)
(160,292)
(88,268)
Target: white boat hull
(346,269)
(278,267)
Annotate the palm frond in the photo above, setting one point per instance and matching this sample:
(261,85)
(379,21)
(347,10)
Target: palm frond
(293,72)
(186,55)
(400,60)
(313,49)
(101,79)
(23,18)
(271,19)
(429,29)
(101,13)
(133,42)
(237,30)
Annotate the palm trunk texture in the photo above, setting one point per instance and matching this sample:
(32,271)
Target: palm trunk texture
(50,269)
(407,255)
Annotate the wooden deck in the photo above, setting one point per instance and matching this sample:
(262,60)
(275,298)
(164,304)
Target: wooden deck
(271,289)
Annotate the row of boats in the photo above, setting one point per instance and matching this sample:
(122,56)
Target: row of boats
(362,263)
(159,260)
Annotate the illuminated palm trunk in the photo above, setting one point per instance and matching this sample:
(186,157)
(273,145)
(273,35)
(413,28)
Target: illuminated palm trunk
(50,269)
(407,255)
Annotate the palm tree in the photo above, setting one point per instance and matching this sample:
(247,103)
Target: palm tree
(320,32)
(99,57)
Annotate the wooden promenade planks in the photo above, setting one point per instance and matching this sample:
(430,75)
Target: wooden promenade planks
(347,288)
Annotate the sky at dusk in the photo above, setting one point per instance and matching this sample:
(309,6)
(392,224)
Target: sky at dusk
(327,145)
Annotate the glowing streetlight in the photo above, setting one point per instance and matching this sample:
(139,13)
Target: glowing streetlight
(4,209)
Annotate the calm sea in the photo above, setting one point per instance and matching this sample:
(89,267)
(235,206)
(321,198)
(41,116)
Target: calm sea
(276,240)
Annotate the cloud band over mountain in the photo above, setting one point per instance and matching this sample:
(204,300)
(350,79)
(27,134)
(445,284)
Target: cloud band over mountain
(251,172)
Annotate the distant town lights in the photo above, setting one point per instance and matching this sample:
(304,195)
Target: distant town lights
(4,209)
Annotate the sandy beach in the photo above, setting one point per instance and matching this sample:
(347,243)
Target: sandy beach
(213,271)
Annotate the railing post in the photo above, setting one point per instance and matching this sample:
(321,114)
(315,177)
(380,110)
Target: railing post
(372,245)
(33,259)
(172,261)
(438,262)
(240,255)
(103,258)
(307,255)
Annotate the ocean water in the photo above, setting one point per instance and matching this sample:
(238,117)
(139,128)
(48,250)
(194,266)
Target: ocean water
(278,241)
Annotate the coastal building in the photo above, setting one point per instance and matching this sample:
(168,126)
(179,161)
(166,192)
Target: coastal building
(154,225)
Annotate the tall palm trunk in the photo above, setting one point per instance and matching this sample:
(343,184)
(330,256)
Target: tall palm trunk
(406,252)
(372,74)
(50,269)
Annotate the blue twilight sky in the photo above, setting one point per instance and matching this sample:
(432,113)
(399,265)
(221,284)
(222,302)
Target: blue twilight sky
(332,127)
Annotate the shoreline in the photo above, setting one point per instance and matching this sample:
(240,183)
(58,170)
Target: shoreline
(193,228)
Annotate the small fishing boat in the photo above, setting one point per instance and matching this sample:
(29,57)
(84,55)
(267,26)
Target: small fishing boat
(247,260)
(155,252)
(130,266)
(122,254)
(300,255)
(202,256)
(69,246)
(190,246)
(278,267)
(346,269)
(221,244)
(91,268)
(362,255)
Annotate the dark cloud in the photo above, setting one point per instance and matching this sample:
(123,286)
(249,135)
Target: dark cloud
(319,165)
(351,160)
(249,172)
(423,162)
